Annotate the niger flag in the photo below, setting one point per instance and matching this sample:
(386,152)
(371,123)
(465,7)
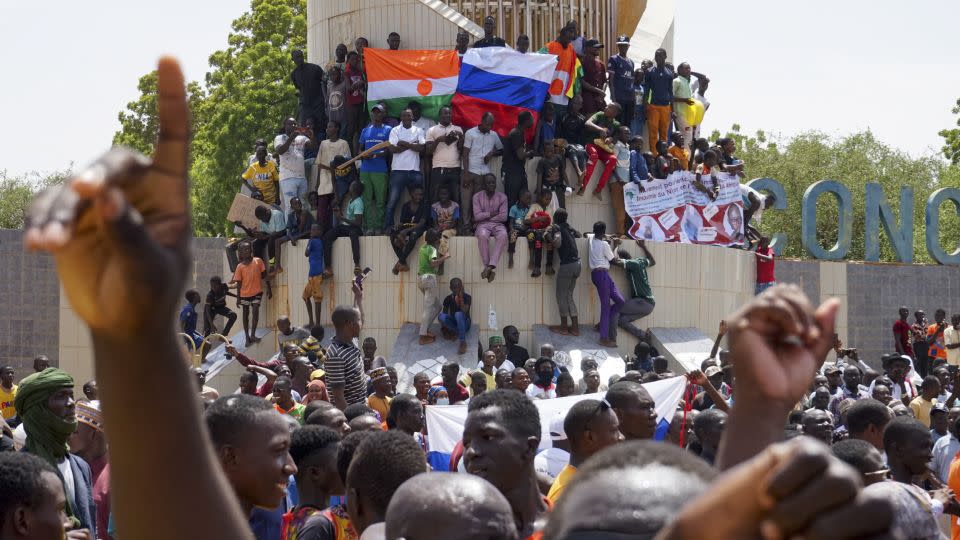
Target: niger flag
(395,78)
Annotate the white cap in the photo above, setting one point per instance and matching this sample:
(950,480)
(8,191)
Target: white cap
(556,427)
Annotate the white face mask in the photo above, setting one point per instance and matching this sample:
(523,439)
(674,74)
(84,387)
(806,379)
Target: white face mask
(443,401)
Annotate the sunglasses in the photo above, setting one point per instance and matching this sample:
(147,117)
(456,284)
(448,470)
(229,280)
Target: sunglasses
(602,406)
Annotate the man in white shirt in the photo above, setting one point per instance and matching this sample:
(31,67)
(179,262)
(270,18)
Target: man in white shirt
(542,386)
(480,145)
(444,144)
(600,257)
(406,143)
(951,341)
(946,447)
(290,145)
(552,460)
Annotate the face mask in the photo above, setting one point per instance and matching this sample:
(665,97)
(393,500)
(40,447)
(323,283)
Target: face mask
(443,401)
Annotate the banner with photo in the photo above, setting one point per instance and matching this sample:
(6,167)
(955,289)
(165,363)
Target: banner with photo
(673,210)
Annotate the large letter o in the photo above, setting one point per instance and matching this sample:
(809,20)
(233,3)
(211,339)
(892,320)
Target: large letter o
(809,217)
(932,217)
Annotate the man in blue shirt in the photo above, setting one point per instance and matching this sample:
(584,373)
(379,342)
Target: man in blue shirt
(638,165)
(658,82)
(373,171)
(620,79)
(188,317)
(313,291)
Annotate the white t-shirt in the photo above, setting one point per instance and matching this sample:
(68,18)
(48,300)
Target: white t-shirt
(67,473)
(445,156)
(745,192)
(600,253)
(695,88)
(551,461)
(408,160)
(535,392)
(480,144)
(950,337)
(424,123)
(291,162)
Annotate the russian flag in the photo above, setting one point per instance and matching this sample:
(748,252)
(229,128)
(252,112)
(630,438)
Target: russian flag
(445,422)
(504,82)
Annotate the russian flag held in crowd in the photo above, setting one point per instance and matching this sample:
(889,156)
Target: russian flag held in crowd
(395,78)
(445,422)
(504,82)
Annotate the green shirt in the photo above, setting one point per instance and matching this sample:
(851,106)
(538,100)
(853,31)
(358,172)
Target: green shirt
(636,270)
(601,120)
(427,254)
(296,411)
(354,209)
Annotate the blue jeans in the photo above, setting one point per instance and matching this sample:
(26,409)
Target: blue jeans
(399,181)
(764,286)
(458,321)
(290,188)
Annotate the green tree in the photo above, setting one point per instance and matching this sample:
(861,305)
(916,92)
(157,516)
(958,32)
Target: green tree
(853,160)
(16,193)
(245,96)
(951,139)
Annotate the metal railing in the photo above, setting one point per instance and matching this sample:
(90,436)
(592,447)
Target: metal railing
(543,19)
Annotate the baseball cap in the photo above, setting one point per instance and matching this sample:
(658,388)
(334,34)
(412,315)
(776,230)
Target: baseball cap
(623,40)
(831,369)
(380,106)
(593,43)
(556,427)
(711,371)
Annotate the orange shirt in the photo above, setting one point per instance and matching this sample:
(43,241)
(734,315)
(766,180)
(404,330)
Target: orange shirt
(682,156)
(250,277)
(953,482)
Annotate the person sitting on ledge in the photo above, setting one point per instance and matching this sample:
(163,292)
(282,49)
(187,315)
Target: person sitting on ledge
(490,217)
(350,221)
(413,223)
(455,315)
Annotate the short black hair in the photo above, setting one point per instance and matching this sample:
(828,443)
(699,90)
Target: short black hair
(231,416)
(864,413)
(20,482)
(317,332)
(708,418)
(314,406)
(599,228)
(357,409)
(620,393)
(560,216)
(519,414)
(192,293)
(402,404)
(564,377)
(382,463)
(308,441)
(343,315)
(348,447)
(854,452)
(901,429)
(579,415)
(929,381)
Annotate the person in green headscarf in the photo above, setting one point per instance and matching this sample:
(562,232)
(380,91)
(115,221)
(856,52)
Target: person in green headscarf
(46,407)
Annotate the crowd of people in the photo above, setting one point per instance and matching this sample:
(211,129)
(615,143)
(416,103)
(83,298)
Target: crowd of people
(318,193)
(772,438)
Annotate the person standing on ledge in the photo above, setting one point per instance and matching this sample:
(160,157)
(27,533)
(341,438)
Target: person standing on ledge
(601,257)
(308,79)
(489,39)
(564,242)
(641,300)
(428,262)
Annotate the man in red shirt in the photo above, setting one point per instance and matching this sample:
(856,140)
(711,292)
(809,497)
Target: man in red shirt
(450,372)
(594,78)
(901,334)
(765,265)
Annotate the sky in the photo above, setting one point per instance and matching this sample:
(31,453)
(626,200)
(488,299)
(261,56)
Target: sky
(839,67)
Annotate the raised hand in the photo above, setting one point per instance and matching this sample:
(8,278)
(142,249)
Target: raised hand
(778,341)
(723,328)
(120,230)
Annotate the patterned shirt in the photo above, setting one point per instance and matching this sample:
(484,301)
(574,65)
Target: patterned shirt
(345,370)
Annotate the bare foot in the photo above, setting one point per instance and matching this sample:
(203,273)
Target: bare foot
(396,269)
(463,347)
(404,268)
(598,195)
(562,330)
(574,330)
(426,340)
(535,273)
(550,271)
(490,275)
(605,342)
(580,192)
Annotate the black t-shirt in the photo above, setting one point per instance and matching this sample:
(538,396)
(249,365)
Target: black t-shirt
(450,306)
(517,354)
(572,128)
(513,142)
(552,167)
(493,41)
(408,215)
(217,299)
(308,78)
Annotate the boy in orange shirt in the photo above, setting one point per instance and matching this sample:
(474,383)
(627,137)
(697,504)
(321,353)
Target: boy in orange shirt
(678,151)
(249,278)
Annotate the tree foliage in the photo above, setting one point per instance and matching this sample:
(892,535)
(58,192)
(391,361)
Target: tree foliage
(16,192)
(951,139)
(245,96)
(854,161)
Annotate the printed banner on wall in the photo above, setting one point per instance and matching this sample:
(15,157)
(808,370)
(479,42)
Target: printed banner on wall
(672,210)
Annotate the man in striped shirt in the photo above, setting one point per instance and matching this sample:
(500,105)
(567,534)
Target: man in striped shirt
(344,366)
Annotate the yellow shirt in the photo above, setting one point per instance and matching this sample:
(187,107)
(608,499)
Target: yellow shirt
(264,178)
(560,484)
(491,381)
(381,405)
(6,402)
(921,409)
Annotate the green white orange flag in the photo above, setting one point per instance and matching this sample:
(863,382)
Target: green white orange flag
(395,78)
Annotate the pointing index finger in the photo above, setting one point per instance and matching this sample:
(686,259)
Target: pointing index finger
(170,156)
